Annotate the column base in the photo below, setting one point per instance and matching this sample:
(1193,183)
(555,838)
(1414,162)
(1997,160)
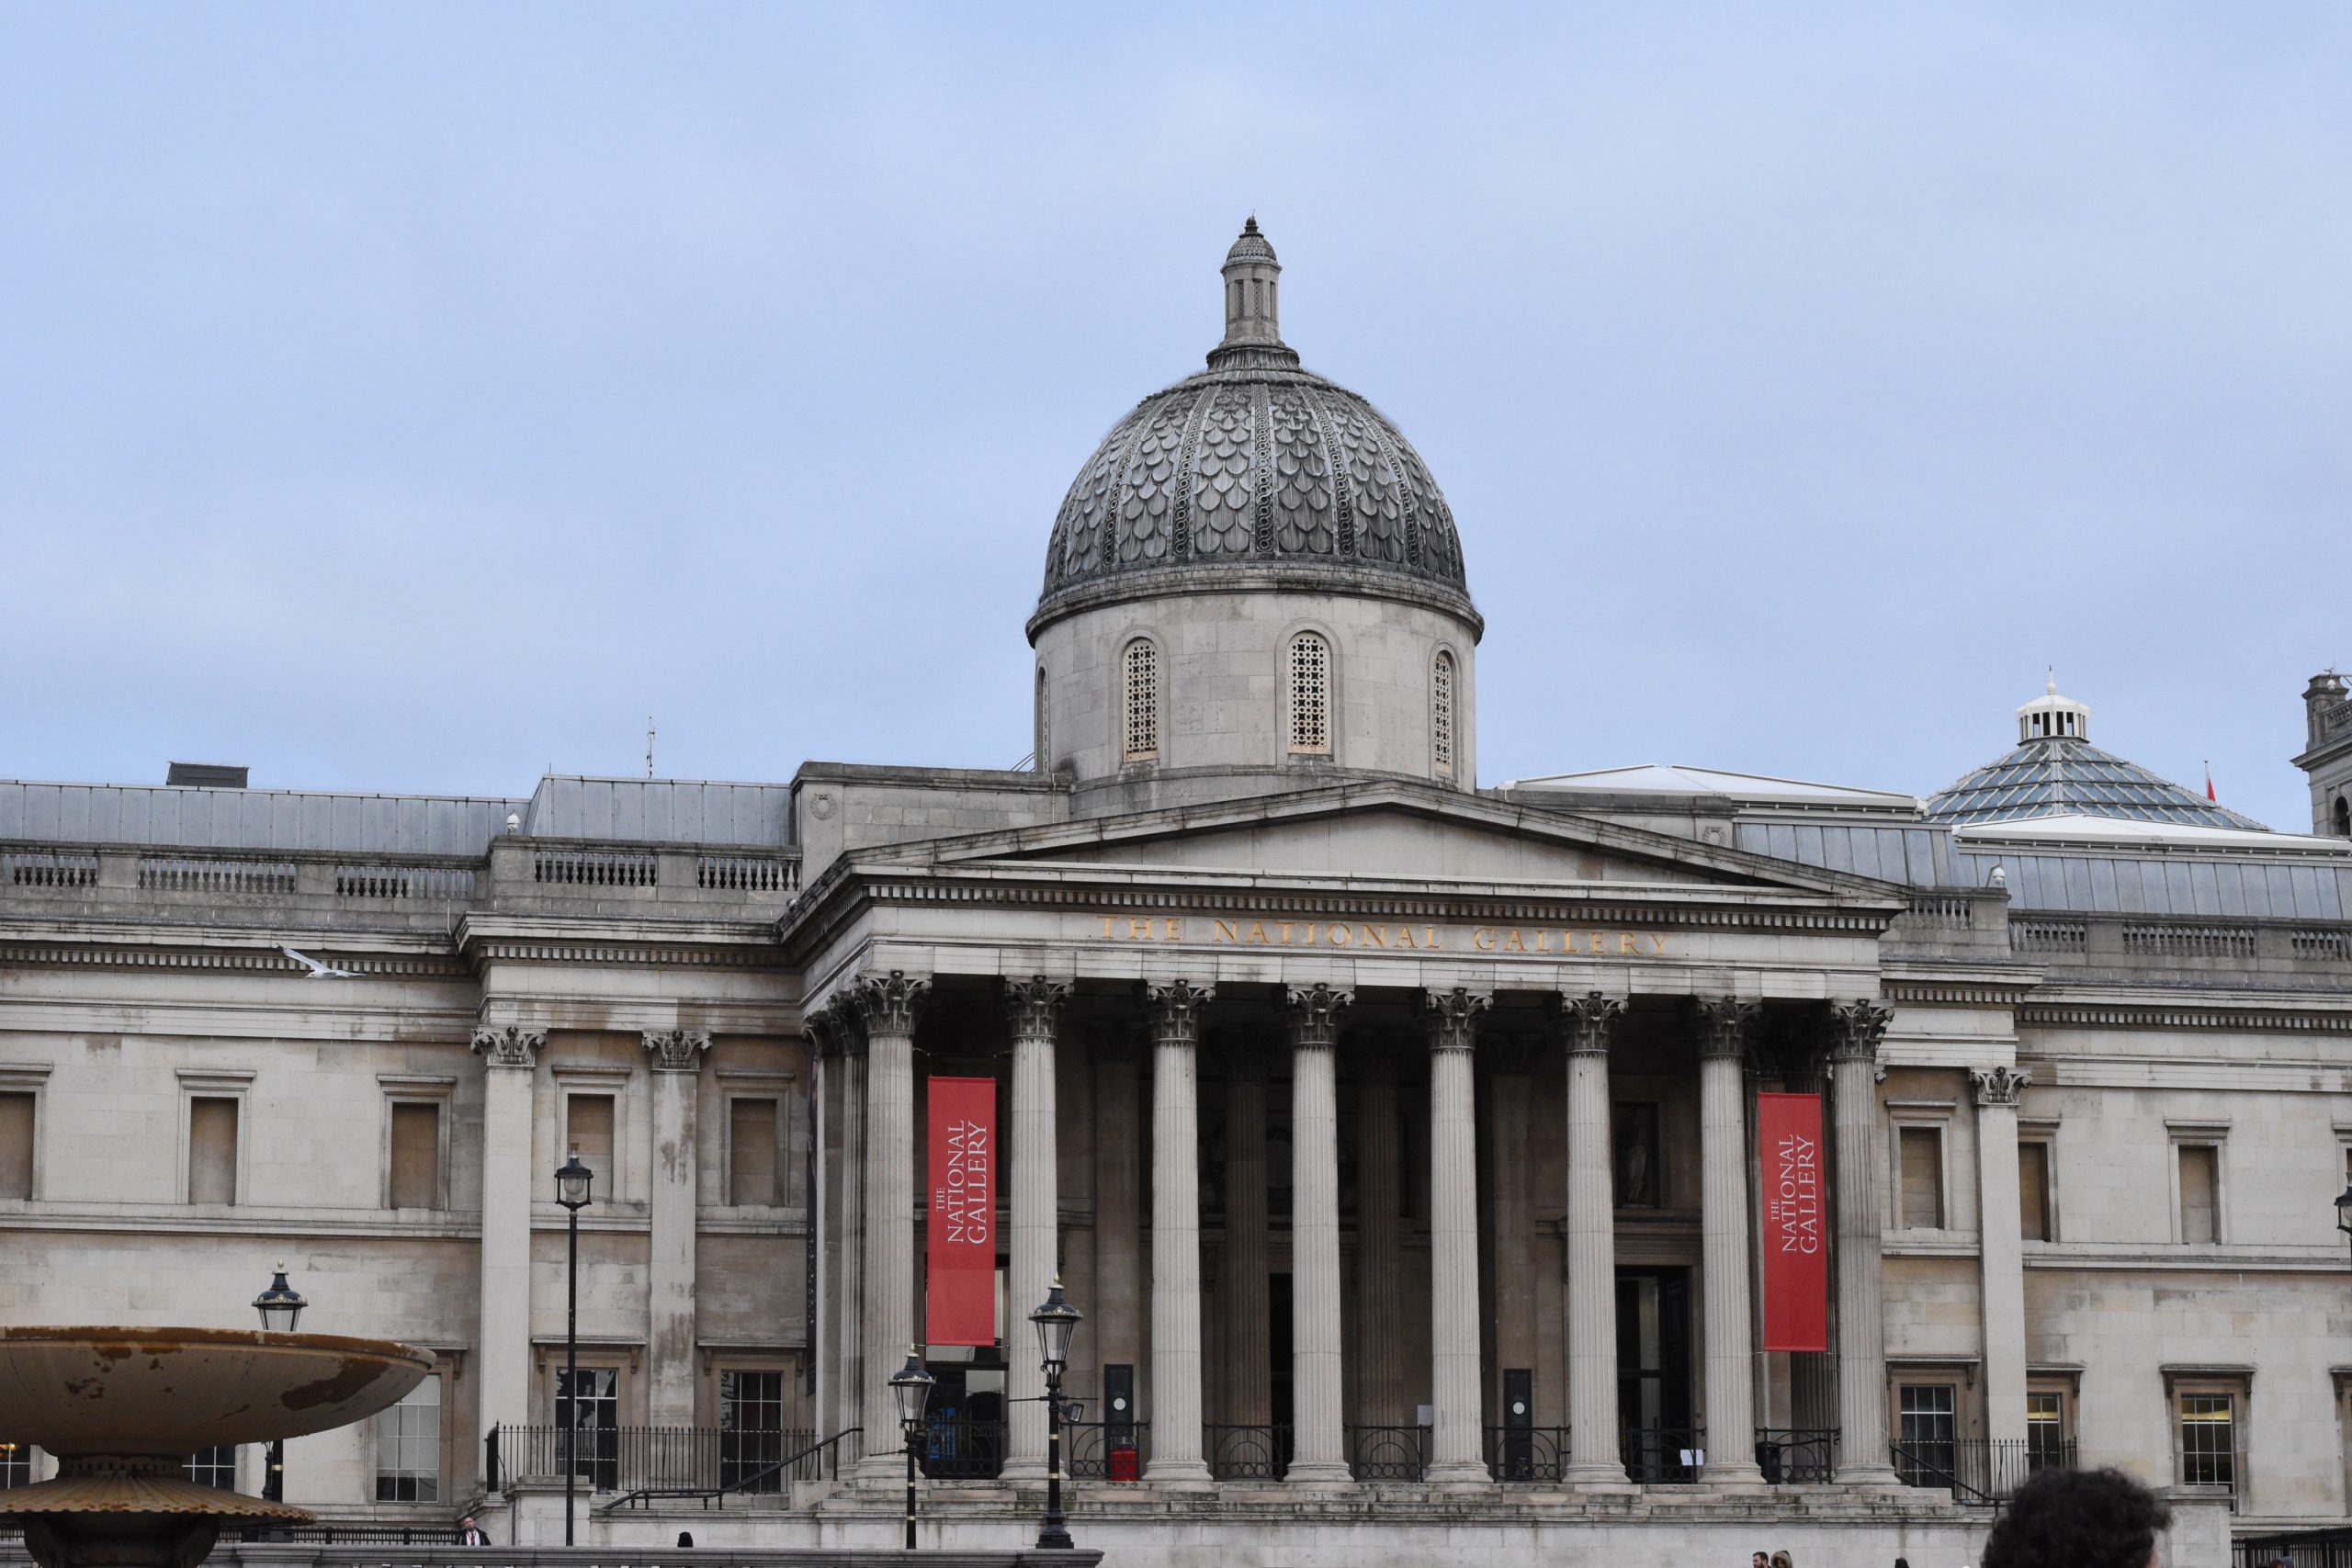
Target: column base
(1596,1475)
(1459,1475)
(1732,1473)
(1320,1475)
(1024,1470)
(1184,1474)
(1880,1475)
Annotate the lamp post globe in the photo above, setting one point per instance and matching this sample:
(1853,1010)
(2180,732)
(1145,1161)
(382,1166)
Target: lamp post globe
(1057,1323)
(2344,1211)
(280,1307)
(910,1388)
(572,1183)
(575,1184)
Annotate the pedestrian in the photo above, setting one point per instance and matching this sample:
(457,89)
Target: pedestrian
(1759,1560)
(1783,1560)
(2078,1518)
(470,1533)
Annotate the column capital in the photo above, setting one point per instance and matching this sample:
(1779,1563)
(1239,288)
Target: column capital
(1584,1022)
(1176,1012)
(889,1004)
(833,1029)
(677,1050)
(512,1046)
(1452,1017)
(1314,1015)
(1722,1024)
(1035,1006)
(1998,1085)
(1856,1029)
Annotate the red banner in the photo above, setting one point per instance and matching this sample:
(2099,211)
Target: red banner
(961,1242)
(1796,1241)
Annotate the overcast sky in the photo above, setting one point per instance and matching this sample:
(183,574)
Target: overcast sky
(413,399)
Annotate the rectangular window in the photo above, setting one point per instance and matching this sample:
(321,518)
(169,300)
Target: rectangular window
(751,1161)
(597,1410)
(16,1145)
(408,1446)
(16,1465)
(750,1430)
(1922,1177)
(1927,1434)
(215,1466)
(416,1157)
(2200,1193)
(588,1130)
(2047,1446)
(2209,1448)
(211,1151)
(2034,1192)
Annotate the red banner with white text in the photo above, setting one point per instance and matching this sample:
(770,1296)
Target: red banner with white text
(961,1239)
(1796,1239)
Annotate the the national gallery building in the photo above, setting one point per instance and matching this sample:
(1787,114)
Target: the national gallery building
(1655,1160)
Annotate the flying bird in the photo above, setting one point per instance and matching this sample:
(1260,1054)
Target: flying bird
(319,971)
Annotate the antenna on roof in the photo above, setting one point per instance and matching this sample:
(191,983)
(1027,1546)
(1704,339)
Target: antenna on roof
(649,746)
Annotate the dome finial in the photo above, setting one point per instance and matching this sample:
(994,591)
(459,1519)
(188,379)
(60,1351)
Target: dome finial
(2051,689)
(1252,301)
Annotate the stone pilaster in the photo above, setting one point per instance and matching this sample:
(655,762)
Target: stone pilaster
(676,1057)
(509,1177)
(1457,1456)
(888,1005)
(1380,1282)
(1035,1006)
(841,1050)
(1119,1312)
(1858,1027)
(1175,1412)
(1724,1230)
(1245,1374)
(2001,1249)
(1592,1247)
(1318,1455)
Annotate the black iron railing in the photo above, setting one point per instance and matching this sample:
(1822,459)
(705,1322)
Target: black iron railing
(1096,1451)
(963,1447)
(1977,1470)
(1527,1453)
(342,1535)
(1246,1452)
(1388,1453)
(1658,1455)
(2304,1548)
(1797,1456)
(682,1460)
(815,1461)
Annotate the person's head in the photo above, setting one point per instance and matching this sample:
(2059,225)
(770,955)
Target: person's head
(1783,1560)
(2078,1518)
(466,1523)
(1902,1563)
(1758,1559)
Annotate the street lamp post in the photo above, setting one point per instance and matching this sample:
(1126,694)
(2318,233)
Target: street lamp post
(1057,1322)
(2344,1211)
(282,1308)
(572,1182)
(911,1387)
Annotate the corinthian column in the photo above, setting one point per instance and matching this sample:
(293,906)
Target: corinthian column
(1593,1458)
(2001,1248)
(677,1055)
(1035,1006)
(1723,1210)
(841,1045)
(1858,1027)
(1246,1398)
(1175,1237)
(1318,1455)
(508,1174)
(888,1005)
(1456,1448)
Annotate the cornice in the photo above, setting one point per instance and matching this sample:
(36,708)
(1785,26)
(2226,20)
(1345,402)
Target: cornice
(107,956)
(606,941)
(2316,1019)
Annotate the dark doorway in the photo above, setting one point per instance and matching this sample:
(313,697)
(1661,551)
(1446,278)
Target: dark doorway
(1279,1366)
(966,1435)
(1653,1375)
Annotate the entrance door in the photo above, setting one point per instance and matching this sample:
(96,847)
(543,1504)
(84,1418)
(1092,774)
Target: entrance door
(1653,1375)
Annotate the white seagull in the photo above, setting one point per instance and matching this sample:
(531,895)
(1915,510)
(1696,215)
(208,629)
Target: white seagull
(319,971)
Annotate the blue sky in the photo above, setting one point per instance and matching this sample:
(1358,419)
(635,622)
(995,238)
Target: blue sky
(414,398)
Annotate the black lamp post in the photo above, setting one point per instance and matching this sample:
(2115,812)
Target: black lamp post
(2344,1211)
(572,1181)
(282,1308)
(1057,1322)
(910,1386)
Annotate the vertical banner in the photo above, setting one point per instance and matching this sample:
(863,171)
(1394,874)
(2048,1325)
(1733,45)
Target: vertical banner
(1796,1244)
(961,1235)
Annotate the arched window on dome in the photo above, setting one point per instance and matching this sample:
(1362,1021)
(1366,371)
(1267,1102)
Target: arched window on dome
(2343,817)
(1310,696)
(1441,716)
(1139,702)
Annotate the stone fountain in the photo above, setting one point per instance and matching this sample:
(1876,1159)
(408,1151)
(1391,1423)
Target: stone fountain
(120,1408)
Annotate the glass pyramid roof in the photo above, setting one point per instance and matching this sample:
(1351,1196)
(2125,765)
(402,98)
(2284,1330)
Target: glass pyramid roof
(2063,777)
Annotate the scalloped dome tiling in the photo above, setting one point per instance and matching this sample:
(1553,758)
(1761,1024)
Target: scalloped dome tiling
(1254,464)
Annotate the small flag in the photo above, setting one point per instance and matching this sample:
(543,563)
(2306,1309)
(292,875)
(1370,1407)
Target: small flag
(2209,782)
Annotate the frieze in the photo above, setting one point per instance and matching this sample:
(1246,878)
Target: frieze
(1383,936)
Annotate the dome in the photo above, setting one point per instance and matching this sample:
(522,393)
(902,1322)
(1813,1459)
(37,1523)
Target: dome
(1254,472)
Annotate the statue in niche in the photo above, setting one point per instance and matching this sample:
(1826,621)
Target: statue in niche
(1635,1138)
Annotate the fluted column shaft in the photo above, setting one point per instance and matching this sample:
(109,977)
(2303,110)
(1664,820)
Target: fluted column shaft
(1861,1315)
(1246,1394)
(888,1005)
(1034,1004)
(1592,1247)
(1175,1412)
(1724,1231)
(1380,1199)
(1456,1445)
(849,1333)
(1318,1455)
(2001,1250)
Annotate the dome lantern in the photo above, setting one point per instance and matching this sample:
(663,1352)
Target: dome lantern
(2051,716)
(1254,331)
